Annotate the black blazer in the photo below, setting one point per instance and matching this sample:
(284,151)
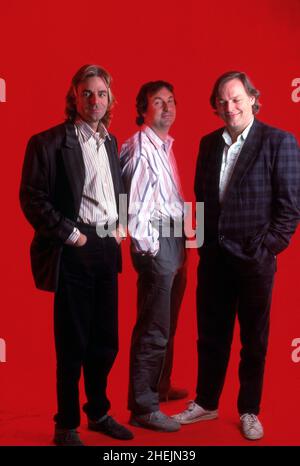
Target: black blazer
(261,207)
(50,194)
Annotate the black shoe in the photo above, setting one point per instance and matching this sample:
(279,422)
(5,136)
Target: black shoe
(173,394)
(67,438)
(109,426)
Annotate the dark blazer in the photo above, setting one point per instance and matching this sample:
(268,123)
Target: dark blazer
(261,207)
(50,195)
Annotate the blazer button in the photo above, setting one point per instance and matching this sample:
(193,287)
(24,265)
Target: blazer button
(221,237)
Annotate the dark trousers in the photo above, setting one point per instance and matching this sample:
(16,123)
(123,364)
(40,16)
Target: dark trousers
(161,284)
(228,286)
(177,293)
(86,326)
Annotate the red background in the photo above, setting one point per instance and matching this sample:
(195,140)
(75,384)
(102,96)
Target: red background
(42,44)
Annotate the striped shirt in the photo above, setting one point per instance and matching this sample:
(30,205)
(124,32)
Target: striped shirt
(230,156)
(152,183)
(98,203)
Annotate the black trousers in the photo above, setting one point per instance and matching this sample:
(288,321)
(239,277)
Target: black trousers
(86,326)
(229,286)
(161,284)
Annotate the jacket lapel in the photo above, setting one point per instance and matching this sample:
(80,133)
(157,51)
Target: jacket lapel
(74,164)
(112,153)
(214,166)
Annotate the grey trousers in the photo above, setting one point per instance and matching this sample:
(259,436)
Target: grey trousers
(161,283)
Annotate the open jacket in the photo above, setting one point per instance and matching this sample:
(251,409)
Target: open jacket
(50,195)
(261,206)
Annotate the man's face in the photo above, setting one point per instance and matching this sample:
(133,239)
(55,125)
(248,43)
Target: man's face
(91,99)
(234,106)
(161,111)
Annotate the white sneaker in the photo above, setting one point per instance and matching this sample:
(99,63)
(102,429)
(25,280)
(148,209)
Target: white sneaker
(251,427)
(194,413)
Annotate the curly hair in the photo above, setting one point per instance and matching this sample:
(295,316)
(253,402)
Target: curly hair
(148,89)
(88,71)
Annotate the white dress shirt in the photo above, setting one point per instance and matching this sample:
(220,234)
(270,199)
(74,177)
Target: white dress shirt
(98,203)
(230,156)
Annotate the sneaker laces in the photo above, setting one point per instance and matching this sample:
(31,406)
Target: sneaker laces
(190,406)
(250,419)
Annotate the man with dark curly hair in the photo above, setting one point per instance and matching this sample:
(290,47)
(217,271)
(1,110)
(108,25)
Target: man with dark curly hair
(155,204)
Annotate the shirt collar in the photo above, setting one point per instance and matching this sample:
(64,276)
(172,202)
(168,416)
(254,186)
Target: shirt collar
(159,143)
(241,138)
(87,132)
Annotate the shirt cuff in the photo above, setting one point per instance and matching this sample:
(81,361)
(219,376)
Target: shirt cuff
(73,237)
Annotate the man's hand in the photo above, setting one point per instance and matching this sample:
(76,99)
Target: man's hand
(81,241)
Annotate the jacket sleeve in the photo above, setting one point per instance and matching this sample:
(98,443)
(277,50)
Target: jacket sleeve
(37,196)
(118,166)
(198,182)
(286,195)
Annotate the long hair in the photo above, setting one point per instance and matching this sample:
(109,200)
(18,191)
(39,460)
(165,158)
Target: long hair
(88,71)
(249,87)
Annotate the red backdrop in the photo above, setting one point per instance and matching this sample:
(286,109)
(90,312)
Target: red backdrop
(42,44)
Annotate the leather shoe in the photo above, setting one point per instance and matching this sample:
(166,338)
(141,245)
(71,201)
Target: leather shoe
(67,438)
(173,394)
(155,421)
(108,426)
